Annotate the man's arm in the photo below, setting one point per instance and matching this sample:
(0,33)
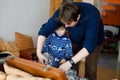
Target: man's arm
(78,57)
(40,43)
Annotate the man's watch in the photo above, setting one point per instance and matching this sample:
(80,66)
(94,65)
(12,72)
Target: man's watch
(71,61)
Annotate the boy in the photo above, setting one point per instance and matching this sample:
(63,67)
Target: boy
(58,45)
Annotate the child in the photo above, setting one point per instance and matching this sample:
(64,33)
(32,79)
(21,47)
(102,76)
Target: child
(59,47)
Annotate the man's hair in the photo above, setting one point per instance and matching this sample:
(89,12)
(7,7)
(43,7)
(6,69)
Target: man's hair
(68,12)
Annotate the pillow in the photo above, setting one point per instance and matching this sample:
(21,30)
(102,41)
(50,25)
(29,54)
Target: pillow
(9,70)
(12,46)
(3,45)
(15,53)
(2,75)
(1,42)
(23,42)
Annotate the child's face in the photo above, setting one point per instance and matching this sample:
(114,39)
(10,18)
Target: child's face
(60,31)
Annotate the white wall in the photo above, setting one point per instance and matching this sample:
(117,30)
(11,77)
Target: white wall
(25,16)
(89,1)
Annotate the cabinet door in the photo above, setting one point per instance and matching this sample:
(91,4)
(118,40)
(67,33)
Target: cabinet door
(77,0)
(54,4)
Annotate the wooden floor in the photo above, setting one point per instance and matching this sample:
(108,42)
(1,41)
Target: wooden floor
(103,73)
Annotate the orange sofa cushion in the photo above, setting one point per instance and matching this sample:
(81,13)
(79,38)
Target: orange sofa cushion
(23,41)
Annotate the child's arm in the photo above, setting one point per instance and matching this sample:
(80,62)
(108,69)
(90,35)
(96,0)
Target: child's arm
(47,42)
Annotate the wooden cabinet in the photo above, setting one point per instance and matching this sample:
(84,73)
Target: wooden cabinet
(111,12)
(54,4)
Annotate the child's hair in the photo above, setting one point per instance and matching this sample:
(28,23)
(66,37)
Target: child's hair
(66,32)
(62,26)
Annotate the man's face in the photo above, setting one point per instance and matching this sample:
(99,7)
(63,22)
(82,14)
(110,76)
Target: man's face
(73,23)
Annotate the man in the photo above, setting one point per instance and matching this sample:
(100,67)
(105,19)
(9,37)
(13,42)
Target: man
(85,27)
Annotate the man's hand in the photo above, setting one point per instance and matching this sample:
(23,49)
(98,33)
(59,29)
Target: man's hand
(65,66)
(62,61)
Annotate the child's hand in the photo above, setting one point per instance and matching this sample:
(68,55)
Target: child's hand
(42,58)
(62,61)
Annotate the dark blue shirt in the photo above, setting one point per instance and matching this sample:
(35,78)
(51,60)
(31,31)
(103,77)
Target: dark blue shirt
(88,32)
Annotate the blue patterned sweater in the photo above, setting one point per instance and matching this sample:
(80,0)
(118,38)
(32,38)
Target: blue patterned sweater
(58,46)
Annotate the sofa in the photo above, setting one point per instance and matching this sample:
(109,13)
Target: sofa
(12,73)
(22,43)
(9,46)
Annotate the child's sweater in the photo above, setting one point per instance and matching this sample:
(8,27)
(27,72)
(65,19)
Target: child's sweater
(58,46)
